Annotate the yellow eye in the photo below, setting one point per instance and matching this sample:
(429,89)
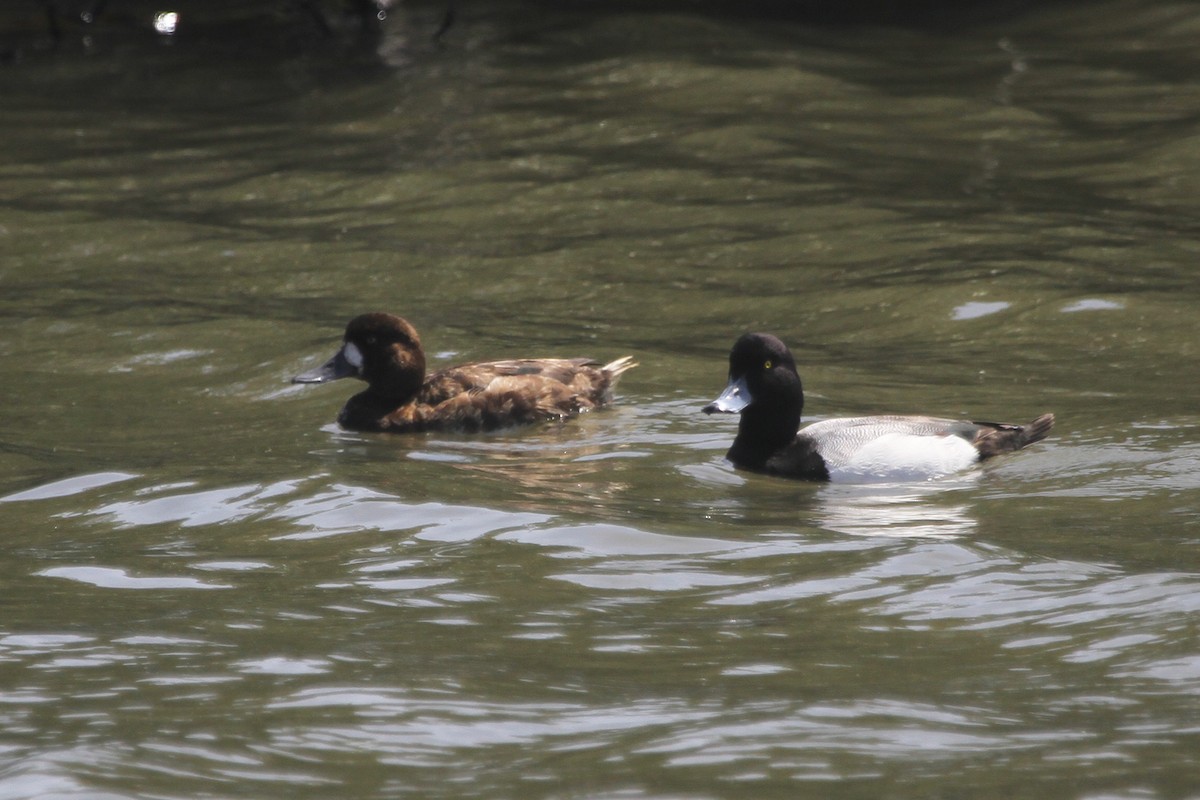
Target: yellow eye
(767,365)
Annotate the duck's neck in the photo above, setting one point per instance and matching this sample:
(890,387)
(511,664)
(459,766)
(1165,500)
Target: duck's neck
(385,393)
(397,385)
(763,431)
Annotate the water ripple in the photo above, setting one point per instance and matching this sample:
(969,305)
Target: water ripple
(110,578)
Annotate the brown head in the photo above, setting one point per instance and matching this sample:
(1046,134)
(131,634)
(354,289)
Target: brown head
(381,349)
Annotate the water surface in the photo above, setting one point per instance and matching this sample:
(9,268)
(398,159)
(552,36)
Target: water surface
(211,591)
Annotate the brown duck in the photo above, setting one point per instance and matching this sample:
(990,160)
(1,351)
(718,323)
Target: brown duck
(385,351)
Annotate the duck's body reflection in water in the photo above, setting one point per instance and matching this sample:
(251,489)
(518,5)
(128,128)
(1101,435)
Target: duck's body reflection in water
(896,509)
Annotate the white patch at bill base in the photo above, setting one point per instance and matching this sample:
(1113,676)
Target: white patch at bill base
(353,355)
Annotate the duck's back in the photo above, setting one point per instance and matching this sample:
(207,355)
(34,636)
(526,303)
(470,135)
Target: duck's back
(498,394)
(585,377)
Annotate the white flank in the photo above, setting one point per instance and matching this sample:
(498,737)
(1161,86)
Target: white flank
(905,457)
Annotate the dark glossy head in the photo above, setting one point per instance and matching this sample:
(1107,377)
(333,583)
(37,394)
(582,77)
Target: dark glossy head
(765,389)
(381,349)
(762,373)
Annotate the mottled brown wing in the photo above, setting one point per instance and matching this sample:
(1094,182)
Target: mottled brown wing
(506,401)
(448,383)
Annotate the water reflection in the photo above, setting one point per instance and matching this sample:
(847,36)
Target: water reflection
(431,630)
(108,578)
(68,486)
(919,510)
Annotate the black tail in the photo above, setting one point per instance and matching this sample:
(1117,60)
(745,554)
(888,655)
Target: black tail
(995,438)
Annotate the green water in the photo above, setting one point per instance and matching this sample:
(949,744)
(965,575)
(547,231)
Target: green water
(211,591)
